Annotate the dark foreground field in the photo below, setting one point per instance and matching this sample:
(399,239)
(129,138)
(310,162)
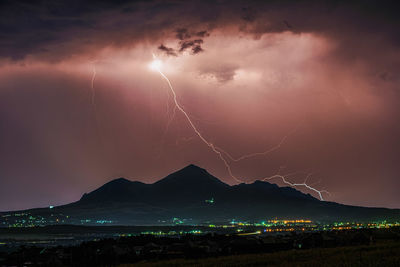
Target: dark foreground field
(383,254)
(354,247)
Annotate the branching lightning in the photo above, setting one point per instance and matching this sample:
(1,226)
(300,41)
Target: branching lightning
(303,184)
(247,156)
(171,119)
(156,66)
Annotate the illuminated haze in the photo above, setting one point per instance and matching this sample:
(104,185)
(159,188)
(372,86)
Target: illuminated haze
(261,72)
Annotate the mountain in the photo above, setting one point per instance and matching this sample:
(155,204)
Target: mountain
(193,195)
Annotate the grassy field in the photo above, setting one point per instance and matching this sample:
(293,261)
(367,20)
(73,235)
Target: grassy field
(383,254)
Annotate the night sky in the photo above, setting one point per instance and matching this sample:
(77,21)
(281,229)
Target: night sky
(323,74)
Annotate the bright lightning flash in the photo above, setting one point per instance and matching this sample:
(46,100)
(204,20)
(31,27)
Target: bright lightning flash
(156,65)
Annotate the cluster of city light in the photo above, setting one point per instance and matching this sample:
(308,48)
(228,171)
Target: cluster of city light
(290,225)
(289,221)
(30,220)
(210,201)
(266,226)
(165,233)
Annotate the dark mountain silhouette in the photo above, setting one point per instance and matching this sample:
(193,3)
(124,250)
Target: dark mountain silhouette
(195,195)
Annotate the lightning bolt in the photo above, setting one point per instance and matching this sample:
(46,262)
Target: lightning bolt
(303,184)
(263,153)
(93,102)
(94,73)
(170,119)
(189,120)
(220,152)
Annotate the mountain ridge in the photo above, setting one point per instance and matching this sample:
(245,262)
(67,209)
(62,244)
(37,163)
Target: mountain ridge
(196,196)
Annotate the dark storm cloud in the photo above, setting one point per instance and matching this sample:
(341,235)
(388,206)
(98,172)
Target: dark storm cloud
(196,49)
(182,34)
(248,14)
(202,34)
(167,50)
(287,24)
(192,44)
(31,27)
(186,42)
(52,30)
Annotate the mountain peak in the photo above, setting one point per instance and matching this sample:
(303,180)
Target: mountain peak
(116,189)
(264,183)
(192,168)
(113,185)
(119,181)
(190,175)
